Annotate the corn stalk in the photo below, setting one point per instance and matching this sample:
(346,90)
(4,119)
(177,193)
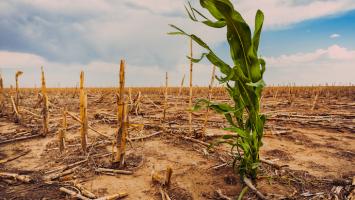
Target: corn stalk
(165,96)
(137,103)
(210,87)
(190,89)
(18,74)
(122,116)
(83,113)
(62,131)
(243,80)
(130,99)
(45,107)
(16,114)
(180,90)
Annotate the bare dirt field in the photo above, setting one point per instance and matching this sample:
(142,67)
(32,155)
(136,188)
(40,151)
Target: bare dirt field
(309,146)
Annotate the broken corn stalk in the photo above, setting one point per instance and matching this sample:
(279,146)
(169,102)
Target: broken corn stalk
(83,113)
(45,102)
(18,73)
(165,96)
(62,132)
(122,116)
(210,87)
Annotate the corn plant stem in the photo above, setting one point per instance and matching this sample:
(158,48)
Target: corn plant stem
(248,182)
(17,93)
(45,107)
(62,132)
(121,134)
(244,80)
(17,115)
(165,97)
(168,174)
(180,91)
(210,87)
(315,101)
(244,190)
(83,114)
(130,96)
(121,90)
(190,90)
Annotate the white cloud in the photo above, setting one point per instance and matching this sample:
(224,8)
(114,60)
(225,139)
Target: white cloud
(281,13)
(334,64)
(332,53)
(66,36)
(97,73)
(18,60)
(68,6)
(334,35)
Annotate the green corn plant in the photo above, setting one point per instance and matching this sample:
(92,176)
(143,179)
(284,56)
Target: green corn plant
(243,80)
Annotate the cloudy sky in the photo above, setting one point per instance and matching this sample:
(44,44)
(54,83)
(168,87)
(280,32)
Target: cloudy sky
(304,41)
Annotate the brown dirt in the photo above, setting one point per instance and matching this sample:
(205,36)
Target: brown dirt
(318,146)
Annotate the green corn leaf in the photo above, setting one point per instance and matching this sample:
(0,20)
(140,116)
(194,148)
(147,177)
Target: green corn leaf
(218,107)
(192,11)
(262,63)
(239,131)
(175,33)
(189,14)
(221,141)
(210,5)
(227,78)
(208,22)
(229,136)
(212,57)
(216,24)
(259,20)
(255,165)
(258,84)
(240,74)
(229,118)
(198,12)
(238,34)
(196,60)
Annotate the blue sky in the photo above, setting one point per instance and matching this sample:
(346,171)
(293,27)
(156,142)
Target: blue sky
(304,42)
(310,35)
